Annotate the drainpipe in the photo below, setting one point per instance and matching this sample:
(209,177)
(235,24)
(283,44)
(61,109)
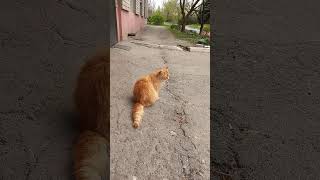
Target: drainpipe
(120,18)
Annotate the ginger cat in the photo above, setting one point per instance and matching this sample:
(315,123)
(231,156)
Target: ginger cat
(146,93)
(92,103)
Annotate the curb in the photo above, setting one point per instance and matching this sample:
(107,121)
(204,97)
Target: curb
(157,46)
(199,49)
(177,48)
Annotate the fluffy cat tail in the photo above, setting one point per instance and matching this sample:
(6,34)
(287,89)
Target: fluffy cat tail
(90,156)
(137,113)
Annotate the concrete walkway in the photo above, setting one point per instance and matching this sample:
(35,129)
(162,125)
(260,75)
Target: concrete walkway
(189,28)
(173,140)
(159,35)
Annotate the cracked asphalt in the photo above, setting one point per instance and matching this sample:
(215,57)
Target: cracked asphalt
(174,138)
(43,45)
(266,90)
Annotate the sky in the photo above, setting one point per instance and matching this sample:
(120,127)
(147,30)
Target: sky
(159,3)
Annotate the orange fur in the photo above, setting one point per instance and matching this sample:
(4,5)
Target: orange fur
(146,93)
(90,153)
(92,103)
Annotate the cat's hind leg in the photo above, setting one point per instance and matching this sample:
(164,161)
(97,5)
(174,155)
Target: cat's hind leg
(156,96)
(153,98)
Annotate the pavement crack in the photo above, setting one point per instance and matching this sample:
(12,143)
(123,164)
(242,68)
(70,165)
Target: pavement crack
(175,96)
(187,145)
(164,60)
(30,164)
(75,8)
(181,114)
(184,167)
(29,116)
(120,112)
(54,28)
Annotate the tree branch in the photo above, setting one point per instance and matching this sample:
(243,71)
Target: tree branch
(192,8)
(197,6)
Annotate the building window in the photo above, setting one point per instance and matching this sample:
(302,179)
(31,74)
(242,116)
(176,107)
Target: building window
(141,8)
(137,7)
(125,4)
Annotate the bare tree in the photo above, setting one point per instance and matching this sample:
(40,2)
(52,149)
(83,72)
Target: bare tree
(151,6)
(170,10)
(203,14)
(185,12)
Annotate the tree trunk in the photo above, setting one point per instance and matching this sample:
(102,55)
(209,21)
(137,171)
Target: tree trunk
(183,19)
(183,23)
(183,26)
(201,17)
(201,27)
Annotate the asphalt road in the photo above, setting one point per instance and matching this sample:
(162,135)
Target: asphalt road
(266,90)
(43,44)
(173,140)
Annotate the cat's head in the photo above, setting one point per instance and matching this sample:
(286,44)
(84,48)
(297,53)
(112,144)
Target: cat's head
(163,73)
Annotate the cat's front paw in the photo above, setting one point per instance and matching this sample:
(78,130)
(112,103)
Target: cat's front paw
(136,125)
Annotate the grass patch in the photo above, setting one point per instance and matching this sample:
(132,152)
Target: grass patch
(196,26)
(191,37)
(206,27)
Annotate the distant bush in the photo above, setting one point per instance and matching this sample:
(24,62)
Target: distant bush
(156,19)
(175,26)
(206,28)
(204,41)
(192,37)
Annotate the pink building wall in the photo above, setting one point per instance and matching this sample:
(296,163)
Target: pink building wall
(131,23)
(128,22)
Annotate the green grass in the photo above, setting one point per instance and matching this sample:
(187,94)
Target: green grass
(187,36)
(197,26)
